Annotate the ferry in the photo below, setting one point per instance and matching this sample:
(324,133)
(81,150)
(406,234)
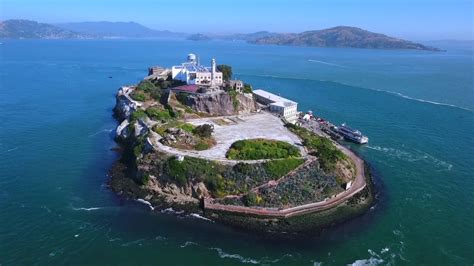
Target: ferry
(352,134)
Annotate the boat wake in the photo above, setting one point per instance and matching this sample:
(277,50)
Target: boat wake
(225,255)
(414,156)
(325,63)
(100,131)
(393,93)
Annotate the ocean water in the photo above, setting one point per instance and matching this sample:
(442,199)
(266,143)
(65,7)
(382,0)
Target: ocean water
(56,145)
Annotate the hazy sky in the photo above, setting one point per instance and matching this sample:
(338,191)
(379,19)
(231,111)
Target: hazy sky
(412,19)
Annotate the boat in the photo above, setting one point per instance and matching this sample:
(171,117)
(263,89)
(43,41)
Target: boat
(353,135)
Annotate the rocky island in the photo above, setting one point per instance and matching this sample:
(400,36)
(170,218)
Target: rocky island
(197,141)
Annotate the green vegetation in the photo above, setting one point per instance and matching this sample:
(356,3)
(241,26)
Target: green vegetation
(252,199)
(323,148)
(226,71)
(160,129)
(256,149)
(279,168)
(197,170)
(203,131)
(247,88)
(158,114)
(138,114)
(138,96)
(235,102)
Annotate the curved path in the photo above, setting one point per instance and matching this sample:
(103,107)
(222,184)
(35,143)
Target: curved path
(357,186)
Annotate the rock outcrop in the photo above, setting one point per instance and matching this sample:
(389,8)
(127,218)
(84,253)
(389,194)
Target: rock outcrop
(221,103)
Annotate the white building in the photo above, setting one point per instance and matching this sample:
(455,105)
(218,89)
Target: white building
(286,108)
(193,73)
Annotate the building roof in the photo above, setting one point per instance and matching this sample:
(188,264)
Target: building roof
(277,100)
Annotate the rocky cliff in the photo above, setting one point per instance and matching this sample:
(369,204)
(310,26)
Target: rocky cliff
(221,103)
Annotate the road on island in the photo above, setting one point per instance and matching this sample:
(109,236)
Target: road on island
(357,186)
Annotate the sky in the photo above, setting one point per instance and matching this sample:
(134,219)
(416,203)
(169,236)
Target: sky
(410,19)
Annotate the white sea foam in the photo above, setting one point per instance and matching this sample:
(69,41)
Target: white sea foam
(242,259)
(188,243)
(413,156)
(171,210)
(325,63)
(367,262)
(146,203)
(195,215)
(87,209)
(135,242)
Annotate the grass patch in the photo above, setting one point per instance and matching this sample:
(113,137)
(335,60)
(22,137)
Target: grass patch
(279,168)
(158,114)
(256,149)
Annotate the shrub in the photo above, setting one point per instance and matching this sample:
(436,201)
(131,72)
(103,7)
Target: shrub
(247,88)
(256,149)
(250,199)
(157,114)
(138,114)
(201,145)
(138,96)
(204,131)
(193,169)
(226,71)
(146,86)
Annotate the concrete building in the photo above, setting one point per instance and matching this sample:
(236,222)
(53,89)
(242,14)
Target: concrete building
(285,108)
(194,73)
(236,84)
(157,72)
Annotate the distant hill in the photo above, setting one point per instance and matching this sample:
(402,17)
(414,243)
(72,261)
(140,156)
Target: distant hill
(341,36)
(27,29)
(199,37)
(118,30)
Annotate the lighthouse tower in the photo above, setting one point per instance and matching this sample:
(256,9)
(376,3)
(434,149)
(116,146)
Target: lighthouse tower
(213,71)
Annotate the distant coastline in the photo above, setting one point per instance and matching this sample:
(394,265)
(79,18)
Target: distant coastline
(341,36)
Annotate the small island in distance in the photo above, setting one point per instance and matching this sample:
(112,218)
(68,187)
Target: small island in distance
(341,36)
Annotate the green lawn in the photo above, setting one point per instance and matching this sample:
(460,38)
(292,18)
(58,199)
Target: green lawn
(256,149)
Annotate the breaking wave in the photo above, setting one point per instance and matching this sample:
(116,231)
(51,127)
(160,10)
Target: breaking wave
(146,203)
(412,156)
(195,215)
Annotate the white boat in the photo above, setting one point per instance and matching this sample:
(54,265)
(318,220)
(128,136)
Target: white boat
(352,134)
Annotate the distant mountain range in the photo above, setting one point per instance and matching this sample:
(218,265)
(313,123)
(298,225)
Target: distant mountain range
(27,29)
(342,36)
(119,30)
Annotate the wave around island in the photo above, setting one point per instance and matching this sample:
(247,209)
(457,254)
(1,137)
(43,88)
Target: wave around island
(393,93)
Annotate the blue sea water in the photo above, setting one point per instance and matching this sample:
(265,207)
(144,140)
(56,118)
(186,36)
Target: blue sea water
(56,141)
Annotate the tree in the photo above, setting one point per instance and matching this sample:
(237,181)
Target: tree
(204,131)
(226,71)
